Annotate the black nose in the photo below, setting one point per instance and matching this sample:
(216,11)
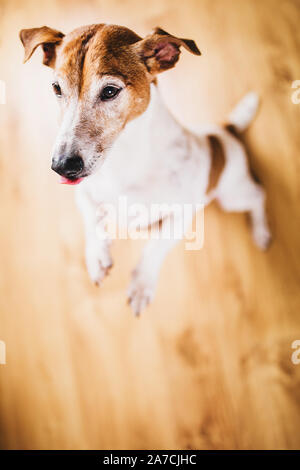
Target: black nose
(70,167)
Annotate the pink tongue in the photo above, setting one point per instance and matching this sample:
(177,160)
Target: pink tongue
(64,180)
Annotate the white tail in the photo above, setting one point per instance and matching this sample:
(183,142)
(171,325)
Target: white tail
(244,112)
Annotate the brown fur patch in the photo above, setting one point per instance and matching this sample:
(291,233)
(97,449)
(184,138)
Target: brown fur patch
(232,130)
(217,161)
(235,133)
(44,36)
(111,52)
(72,55)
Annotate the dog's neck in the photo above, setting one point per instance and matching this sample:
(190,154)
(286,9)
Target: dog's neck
(156,115)
(145,141)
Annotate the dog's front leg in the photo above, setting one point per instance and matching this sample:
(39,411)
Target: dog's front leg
(97,242)
(145,275)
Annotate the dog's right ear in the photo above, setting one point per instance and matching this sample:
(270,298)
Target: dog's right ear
(160,50)
(46,37)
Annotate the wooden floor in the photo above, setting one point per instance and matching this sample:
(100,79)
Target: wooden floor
(208,365)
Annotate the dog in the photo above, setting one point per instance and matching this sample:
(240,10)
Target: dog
(118,138)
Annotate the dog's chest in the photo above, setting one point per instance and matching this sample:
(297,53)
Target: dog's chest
(148,173)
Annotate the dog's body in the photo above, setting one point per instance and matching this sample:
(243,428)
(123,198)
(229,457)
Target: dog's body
(150,158)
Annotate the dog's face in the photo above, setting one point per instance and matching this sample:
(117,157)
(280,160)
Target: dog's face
(102,76)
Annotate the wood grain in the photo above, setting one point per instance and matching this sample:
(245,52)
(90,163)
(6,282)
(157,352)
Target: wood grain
(208,365)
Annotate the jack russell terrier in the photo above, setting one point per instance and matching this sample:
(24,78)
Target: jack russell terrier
(118,138)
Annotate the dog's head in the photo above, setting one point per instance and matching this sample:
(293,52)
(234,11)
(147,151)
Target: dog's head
(102,76)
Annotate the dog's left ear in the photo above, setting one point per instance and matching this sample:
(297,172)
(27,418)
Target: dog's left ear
(46,37)
(160,50)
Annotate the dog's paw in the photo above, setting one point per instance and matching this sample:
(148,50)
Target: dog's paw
(98,262)
(140,292)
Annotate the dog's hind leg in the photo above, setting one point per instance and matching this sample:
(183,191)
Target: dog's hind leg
(248,196)
(237,191)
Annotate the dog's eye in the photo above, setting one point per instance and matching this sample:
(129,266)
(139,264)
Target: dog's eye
(56,89)
(109,92)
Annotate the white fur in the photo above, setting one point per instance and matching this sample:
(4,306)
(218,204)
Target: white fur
(66,131)
(156,160)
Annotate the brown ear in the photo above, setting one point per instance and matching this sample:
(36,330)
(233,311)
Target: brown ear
(160,50)
(46,37)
